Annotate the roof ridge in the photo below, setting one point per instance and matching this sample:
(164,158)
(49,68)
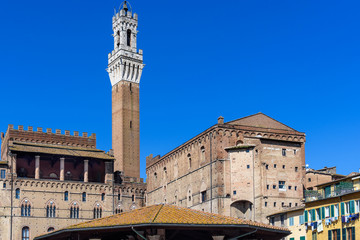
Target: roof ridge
(162,205)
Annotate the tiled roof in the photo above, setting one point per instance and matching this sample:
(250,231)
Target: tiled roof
(59,150)
(168,214)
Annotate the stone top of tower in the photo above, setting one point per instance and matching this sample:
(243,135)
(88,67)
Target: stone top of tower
(125,61)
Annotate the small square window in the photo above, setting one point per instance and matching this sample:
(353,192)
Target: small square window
(282,185)
(274,165)
(284,152)
(295,188)
(267,186)
(248,166)
(283,166)
(267,166)
(283,204)
(274,204)
(274,186)
(289,187)
(265,204)
(4,185)
(247,150)
(296,169)
(295,204)
(294,151)
(309,179)
(234,192)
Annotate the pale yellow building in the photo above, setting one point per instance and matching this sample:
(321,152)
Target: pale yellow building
(293,219)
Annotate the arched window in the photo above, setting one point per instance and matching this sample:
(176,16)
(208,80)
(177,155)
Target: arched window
(202,153)
(74,210)
(118,209)
(25,233)
(17,193)
(128,33)
(97,211)
(189,159)
(66,196)
(53,175)
(50,229)
(51,210)
(84,196)
(119,196)
(26,208)
(103,197)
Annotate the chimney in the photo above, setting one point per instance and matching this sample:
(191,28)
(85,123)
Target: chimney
(220,120)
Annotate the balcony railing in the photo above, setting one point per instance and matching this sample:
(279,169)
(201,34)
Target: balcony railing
(340,189)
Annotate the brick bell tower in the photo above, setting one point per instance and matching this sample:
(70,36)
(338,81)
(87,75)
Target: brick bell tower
(125,66)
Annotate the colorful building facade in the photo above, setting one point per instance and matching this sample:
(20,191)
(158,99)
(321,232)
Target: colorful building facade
(332,212)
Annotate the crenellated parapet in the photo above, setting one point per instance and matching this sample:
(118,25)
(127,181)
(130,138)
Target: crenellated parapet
(48,136)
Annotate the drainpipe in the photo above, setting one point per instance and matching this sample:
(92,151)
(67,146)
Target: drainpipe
(254,184)
(11,193)
(211,196)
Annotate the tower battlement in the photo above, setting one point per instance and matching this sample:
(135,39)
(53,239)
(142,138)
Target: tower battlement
(48,136)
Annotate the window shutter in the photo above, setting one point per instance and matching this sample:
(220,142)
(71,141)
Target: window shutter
(332,211)
(323,213)
(344,234)
(302,238)
(352,207)
(306,216)
(342,208)
(329,234)
(353,233)
(337,233)
(313,215)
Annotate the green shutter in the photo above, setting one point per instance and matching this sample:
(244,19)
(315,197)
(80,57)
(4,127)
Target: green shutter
(329,234)
(352,206)
(292,238)
(302,238)
(313,215)
(332,211)
(344,234)
(323,213)
(337,233)
(353,233)
(306,216)
(342,208)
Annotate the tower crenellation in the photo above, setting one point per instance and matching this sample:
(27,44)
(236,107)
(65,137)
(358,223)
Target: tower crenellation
(125,62)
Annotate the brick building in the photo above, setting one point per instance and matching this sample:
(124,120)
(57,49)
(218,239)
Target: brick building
(50,180)
(320,176)
(247,168)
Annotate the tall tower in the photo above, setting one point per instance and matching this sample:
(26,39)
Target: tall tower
(125,66)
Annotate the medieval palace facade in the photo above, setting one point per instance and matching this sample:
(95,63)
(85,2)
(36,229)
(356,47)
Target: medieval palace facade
(50,180)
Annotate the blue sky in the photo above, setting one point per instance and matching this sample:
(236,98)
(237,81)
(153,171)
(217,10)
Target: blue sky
(296,61)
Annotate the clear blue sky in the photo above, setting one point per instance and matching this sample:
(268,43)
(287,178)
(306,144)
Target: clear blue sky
(296,61)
